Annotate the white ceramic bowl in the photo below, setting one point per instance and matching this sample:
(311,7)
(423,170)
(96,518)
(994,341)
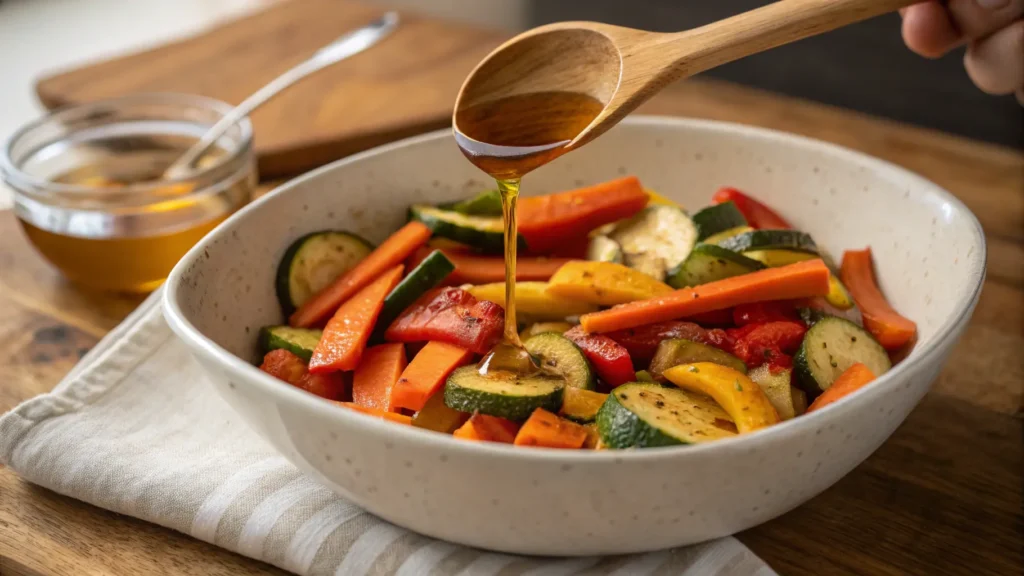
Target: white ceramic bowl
(930,256)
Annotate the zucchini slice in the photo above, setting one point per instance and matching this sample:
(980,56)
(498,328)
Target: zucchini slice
(313,261)
(709,263)
(502,394)
(770,240)
(831,346)
(298,341)
(603,249)
(718,218)
(656,239)
(680,351)
(642,415)
(716,238)
(560,356)
(485,233)
(487,203)
(788,400)
(581,405)
(427,275)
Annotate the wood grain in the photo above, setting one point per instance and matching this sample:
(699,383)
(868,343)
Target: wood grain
(942,496)
(404,86)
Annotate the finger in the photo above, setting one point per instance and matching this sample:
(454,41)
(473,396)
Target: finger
(979,18)
(996,64)
(928,30)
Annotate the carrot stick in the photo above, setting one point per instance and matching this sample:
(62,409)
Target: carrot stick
(391,416)
(551,221)
(391,252)
(345,336)
(376,375)
(473,269)
(549,431)
(887,325)
(426,374)
(853,379)
(484,428)
(800,280)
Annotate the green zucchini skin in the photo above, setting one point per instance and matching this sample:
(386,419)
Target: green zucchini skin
(561,356)
(678,351)
(646,415)
(717,218)
(486,203)
(710,263)
(502,394)
(298,341)
(770,240)
(830,346)
(485,233)
(328,253)
(426,276)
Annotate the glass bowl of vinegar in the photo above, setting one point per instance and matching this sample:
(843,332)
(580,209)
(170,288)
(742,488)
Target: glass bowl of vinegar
(89,195)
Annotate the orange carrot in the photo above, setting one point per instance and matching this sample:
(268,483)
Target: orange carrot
(391,416)
(551,221)
(376,375)
(484,428)
(851,380)
(473,269)
(426,374)
(391,252)
(800,280)
(345,336)
(549,431)
(887,325)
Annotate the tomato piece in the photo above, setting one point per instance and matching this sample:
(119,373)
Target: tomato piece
(450,315)
(769,343)
(642,342)
(611,361)
(757,214)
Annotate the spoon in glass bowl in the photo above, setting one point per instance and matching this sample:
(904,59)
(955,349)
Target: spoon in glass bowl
(345,46)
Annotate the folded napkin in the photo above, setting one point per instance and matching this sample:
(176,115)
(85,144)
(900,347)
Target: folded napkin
(135,428)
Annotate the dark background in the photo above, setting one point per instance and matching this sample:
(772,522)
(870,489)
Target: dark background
(865,67)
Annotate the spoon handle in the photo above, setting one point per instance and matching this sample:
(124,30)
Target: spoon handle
(765,28)
(345,46)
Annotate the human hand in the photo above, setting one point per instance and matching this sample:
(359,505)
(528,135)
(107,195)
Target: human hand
(992,29)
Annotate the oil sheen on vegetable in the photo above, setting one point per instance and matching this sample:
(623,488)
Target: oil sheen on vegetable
(508,138)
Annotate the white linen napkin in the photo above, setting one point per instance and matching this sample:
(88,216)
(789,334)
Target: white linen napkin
(135,428)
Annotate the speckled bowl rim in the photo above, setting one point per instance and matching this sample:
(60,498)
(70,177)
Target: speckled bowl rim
(741,444)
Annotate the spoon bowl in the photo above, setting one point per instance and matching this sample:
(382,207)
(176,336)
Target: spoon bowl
(622,67)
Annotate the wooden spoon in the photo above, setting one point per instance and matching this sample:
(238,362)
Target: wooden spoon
(623,67)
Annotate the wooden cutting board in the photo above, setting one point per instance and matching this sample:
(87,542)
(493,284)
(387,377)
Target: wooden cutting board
(405,85)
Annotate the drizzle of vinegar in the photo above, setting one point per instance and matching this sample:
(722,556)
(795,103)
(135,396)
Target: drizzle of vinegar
(508,138)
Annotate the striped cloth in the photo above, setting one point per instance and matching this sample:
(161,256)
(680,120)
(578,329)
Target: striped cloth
(135,429)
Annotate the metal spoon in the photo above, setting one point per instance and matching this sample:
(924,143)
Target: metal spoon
(350,44)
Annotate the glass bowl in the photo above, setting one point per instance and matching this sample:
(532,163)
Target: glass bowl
(88,194)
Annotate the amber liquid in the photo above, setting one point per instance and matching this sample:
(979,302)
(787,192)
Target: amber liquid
(132,264)
(507,138)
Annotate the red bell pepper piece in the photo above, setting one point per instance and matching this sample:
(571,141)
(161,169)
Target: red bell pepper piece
(769,343)
(610,360)
(450,315)
(758,215)
(288,367)
(761,312)
(642,341)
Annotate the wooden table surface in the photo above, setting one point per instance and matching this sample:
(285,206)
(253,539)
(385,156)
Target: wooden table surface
(943,495)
